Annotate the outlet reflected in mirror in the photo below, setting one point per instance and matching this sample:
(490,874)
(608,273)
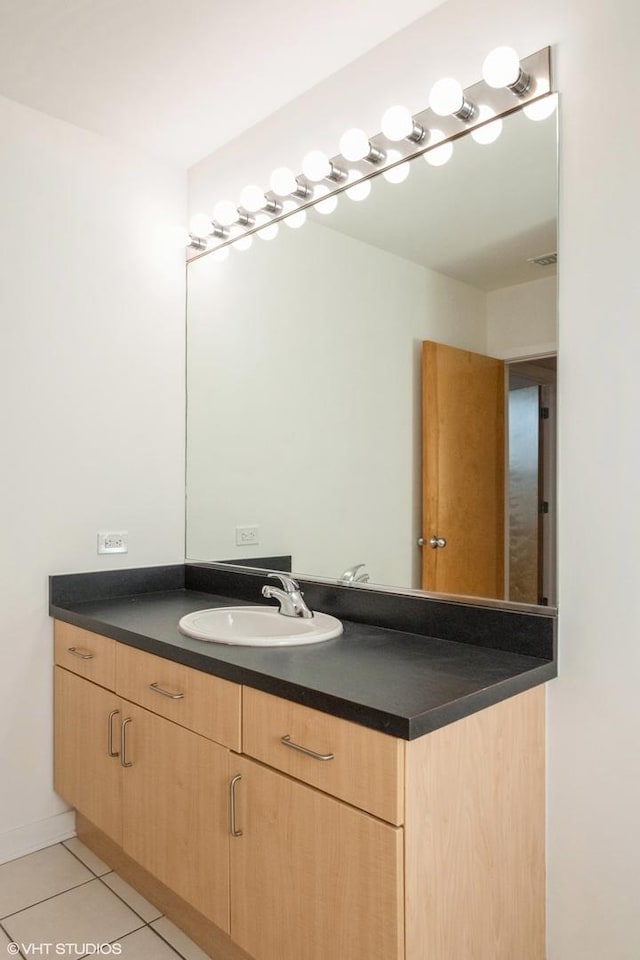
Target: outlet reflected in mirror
(332,396)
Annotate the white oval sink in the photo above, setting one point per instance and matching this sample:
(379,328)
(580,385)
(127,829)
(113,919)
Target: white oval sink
(258,627)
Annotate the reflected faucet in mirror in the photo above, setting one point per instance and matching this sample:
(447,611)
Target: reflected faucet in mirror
(290,597)
(352,576)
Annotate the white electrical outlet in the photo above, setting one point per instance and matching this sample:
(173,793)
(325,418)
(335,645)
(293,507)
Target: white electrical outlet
(246,536)
(115,542)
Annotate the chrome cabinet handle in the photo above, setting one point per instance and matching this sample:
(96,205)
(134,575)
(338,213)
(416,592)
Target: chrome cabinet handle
(75,652)
(123,743)
(110,751)
(233,828)
(288,742)
(166,693)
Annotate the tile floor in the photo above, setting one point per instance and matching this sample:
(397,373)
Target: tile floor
(63,900)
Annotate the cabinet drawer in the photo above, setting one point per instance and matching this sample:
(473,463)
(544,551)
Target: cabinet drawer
(85,653)
(361,766)
(208,705)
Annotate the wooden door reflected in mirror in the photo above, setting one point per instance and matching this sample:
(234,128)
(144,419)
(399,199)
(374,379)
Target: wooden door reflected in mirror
(488,475)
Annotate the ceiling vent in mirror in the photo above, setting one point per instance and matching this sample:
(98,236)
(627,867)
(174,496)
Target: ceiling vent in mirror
(546,260)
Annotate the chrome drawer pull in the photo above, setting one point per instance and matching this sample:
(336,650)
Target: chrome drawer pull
(166,693)
(233,829)
(288,742)
(110,751)
(75,652)
(123,743)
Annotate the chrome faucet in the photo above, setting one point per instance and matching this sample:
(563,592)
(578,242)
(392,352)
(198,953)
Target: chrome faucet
(289,598)
(351,575)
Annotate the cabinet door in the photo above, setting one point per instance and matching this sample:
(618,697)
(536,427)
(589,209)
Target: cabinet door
(311,877)
(86,776)
(175,810)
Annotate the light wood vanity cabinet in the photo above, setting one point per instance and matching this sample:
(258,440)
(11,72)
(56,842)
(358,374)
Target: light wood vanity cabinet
(155,788)
(174,810)
(366,768)
(84,773)
(359,846)
(312,876)
(195,700)
(87,654)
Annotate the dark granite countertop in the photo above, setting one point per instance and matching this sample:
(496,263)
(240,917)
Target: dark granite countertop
(401,683)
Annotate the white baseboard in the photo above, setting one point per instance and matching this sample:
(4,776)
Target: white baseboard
(34,836)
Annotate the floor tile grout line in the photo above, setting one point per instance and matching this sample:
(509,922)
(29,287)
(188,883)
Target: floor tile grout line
(117,939)
(127,934)
(94,876)
(168,942)
(101,877)
(84,864)
(11,940)
(76,886)
(147,926)
(126,903)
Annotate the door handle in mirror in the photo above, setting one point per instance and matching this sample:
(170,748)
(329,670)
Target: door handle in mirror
(434,542)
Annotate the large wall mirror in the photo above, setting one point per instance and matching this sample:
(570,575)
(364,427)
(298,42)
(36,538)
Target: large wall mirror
(378,387)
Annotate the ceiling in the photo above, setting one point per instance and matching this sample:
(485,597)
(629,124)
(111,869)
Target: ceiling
(179,78)
(478,218)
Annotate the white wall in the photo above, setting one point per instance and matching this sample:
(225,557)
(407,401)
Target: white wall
(329,330)
(91,408)
(522,320)
(594,709)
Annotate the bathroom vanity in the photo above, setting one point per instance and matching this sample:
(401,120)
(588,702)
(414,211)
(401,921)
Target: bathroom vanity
(379,796)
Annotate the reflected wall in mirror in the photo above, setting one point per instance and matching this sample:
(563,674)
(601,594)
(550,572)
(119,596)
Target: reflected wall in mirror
(335,405)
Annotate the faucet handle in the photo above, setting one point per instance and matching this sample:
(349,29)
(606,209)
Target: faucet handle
(288,583)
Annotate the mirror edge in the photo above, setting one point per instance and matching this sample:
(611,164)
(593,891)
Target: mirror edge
(507,606)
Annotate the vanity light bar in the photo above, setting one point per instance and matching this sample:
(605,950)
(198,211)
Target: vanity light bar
(508,84)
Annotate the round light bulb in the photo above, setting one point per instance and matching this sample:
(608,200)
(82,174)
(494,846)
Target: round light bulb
(252,198)
(283,181)
(446,97)
(325,206)
(399,173)
(501,68)
(220,255)
(200,225)
(438,156)
(354,145)
(541,109)
(316,166)
(397,123)
(490,132)
(242,243)
(225,213)
(360,190)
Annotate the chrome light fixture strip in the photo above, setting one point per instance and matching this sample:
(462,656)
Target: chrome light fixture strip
(502,102)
